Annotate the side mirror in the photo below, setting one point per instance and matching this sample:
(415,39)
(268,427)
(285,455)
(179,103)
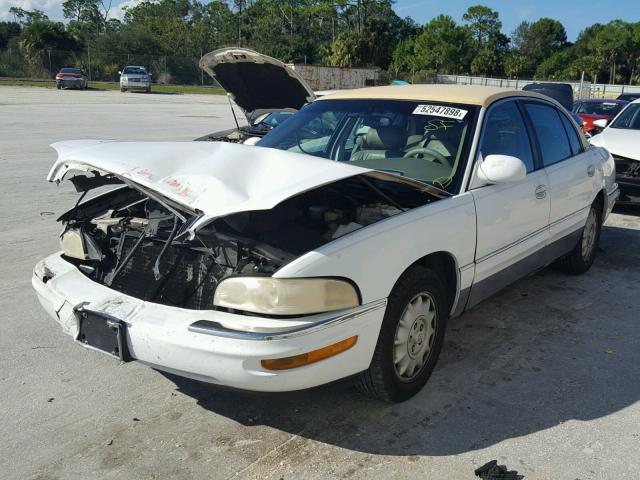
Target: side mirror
(601,123)
(119,72)
(502,169)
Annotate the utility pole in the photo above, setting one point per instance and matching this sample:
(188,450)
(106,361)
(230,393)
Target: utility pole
(240,22)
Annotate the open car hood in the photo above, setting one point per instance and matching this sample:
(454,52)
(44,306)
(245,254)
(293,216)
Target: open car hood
(256,81)
(211,179)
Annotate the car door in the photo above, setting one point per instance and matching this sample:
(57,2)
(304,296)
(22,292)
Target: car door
(512,219)
(571,170)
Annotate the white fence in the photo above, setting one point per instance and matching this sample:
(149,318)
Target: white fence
(580,90)
(320,77)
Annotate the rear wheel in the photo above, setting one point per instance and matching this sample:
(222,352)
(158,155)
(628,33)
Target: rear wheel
(58,86)
(410,338)
(581,257)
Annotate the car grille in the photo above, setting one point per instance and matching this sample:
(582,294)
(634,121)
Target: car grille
(188,279)
(627,167)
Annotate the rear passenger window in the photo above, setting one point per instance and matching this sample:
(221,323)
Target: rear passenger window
(553,141)
(574,140)
(505,134)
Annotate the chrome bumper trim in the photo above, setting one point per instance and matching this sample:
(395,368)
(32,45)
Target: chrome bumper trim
(208,327)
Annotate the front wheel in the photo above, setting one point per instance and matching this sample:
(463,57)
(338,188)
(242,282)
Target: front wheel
(410,338)
(581,257)
(122,89)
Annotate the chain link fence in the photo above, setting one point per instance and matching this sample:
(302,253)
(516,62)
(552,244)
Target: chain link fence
(581,89)
(102,66)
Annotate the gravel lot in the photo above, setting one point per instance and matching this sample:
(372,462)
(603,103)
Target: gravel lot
(544,377)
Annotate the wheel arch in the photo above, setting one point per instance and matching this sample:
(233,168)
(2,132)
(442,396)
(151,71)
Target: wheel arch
(446,267)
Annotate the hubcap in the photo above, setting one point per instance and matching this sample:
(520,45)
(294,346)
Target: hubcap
(589,234)
(414,336)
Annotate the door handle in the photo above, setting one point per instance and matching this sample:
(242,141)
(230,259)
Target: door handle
(541,192)
(591,170)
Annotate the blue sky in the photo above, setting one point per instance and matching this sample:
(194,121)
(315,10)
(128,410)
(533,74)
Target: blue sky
(574,14)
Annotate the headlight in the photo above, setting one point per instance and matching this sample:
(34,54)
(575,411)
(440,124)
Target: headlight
(285,296)
(72,244)
(123,79)
(75,244)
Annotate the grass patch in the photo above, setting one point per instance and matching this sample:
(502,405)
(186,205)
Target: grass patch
(177,89)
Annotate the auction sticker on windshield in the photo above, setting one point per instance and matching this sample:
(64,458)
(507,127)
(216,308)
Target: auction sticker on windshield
(440,111)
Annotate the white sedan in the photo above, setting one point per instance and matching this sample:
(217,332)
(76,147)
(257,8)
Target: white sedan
(621,138)
(339,248)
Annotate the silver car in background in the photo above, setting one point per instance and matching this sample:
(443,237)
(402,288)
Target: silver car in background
(71,77)
(135,77)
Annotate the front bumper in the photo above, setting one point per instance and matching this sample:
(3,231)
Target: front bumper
(129,85)
(220,348)
(70,83)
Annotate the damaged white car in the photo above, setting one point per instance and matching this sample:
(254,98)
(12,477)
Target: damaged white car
(340,248)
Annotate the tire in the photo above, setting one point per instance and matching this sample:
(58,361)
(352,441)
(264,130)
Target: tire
(148,89)
(581,257)
(58,86)
(122,89)
(384,379)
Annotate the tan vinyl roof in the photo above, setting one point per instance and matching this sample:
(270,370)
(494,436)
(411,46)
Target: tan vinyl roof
(467,94)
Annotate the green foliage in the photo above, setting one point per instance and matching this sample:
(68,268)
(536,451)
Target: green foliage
(169,36)
(441,45)
(554,67)
(26,17)
(8,30)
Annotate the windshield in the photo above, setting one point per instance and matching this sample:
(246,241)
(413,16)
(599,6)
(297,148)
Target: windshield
(273,119)
(599,108)
(629,118)
(76,71)
(134,71)
(426,141)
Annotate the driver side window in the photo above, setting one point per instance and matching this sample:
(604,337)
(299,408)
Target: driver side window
(505,134)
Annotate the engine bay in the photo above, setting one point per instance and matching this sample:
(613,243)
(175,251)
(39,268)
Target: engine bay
(139,245)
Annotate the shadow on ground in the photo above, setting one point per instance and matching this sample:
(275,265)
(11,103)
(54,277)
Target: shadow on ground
(547,350)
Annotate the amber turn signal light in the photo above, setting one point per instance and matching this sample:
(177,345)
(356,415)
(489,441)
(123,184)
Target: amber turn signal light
(309,357)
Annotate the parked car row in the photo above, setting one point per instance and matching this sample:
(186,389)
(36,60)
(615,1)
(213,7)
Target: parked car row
(132,77)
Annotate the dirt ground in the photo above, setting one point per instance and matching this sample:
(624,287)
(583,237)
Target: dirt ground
(544,377)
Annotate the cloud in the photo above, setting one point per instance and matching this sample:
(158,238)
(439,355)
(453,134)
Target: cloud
(53,8)
(117,11)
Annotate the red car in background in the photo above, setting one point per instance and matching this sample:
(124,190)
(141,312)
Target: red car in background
(596,109)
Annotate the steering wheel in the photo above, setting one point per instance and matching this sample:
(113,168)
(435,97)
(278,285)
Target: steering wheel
(438,157)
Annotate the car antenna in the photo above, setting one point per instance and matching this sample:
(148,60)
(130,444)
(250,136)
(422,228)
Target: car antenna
(233,112)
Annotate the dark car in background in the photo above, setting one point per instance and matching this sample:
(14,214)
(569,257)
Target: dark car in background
(597,109)
(560,92)
(71,77)
(629,97)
